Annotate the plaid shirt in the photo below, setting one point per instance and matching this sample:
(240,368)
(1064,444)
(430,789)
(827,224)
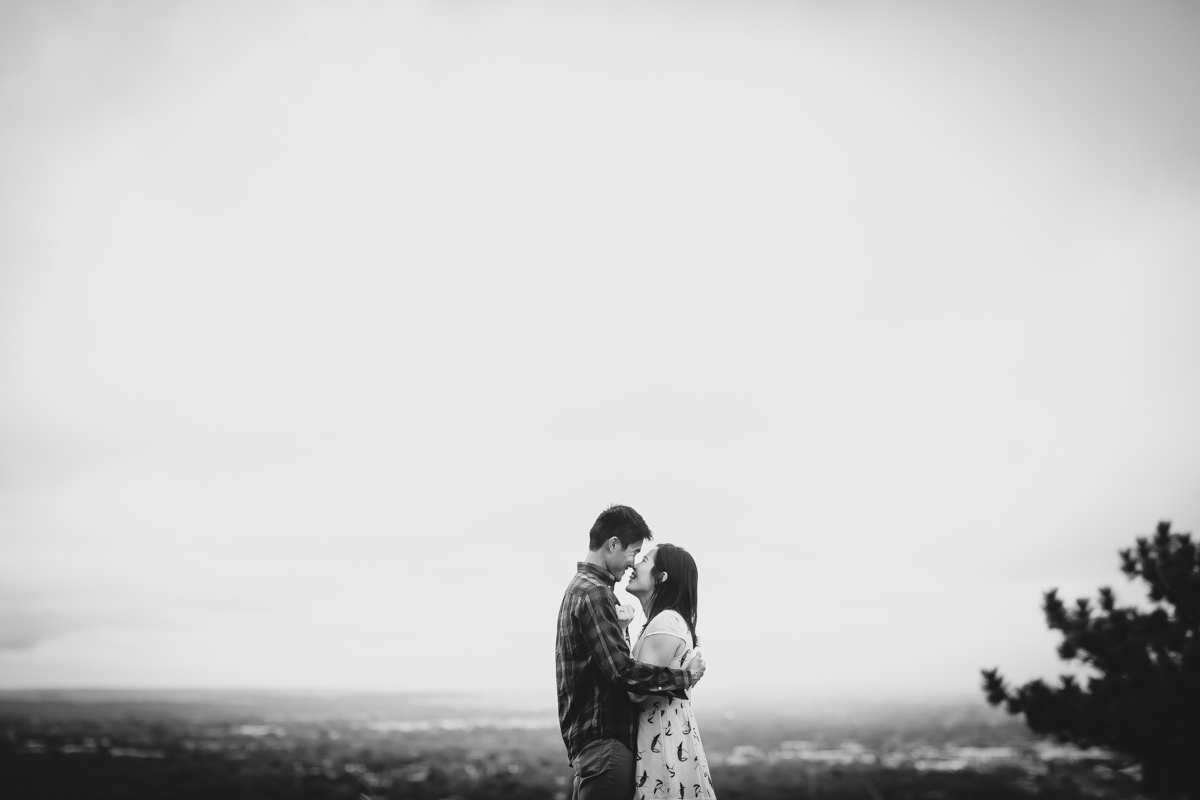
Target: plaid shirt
(594,669)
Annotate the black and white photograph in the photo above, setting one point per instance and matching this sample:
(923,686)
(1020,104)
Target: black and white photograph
(614,400)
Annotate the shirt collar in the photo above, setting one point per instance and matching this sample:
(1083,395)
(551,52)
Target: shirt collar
(602,574)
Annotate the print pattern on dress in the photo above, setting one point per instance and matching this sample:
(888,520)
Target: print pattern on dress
(670,755)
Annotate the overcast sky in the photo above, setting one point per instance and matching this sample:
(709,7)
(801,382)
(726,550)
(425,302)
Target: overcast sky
(327,329)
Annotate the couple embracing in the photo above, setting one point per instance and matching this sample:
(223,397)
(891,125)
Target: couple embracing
(625,715)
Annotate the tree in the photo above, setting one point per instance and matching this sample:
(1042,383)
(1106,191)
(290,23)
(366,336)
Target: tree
(1144,697)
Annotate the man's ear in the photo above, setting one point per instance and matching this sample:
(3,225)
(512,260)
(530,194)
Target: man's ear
(614,544)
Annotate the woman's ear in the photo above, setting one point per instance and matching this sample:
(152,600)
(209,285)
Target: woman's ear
(662,578)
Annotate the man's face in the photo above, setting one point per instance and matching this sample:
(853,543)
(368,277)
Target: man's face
(621,559)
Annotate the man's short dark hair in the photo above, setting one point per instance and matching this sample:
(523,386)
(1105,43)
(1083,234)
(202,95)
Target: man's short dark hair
(619,521)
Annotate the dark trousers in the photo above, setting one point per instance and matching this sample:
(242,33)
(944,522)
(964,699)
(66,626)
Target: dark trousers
(604,771)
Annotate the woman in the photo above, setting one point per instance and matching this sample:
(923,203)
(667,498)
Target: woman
(670,759)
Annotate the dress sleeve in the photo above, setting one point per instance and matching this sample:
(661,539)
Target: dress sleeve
(669,623)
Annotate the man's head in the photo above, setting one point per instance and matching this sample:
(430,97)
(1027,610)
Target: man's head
(617,537)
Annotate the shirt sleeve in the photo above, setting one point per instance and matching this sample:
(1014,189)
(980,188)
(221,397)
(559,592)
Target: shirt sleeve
(602,635)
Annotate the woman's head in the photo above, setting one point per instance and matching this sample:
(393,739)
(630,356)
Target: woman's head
(668,576)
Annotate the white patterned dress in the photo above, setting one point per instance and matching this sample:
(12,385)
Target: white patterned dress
(670,760)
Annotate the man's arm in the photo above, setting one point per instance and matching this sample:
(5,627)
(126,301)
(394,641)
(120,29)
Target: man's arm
(658,650)
(602,634)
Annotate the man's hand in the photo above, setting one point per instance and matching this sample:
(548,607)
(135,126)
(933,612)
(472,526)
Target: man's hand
(625,615)
(694,667)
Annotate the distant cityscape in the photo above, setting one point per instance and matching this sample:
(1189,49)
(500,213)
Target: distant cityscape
(51,748)
(1034,758)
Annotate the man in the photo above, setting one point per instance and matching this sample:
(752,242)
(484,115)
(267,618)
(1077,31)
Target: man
(594,669)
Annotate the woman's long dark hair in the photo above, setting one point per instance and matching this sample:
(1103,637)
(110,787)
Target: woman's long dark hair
(679,592)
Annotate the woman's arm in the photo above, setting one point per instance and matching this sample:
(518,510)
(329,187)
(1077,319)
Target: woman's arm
(658,649)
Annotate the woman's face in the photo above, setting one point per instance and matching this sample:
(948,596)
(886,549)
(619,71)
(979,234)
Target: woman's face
(642,582)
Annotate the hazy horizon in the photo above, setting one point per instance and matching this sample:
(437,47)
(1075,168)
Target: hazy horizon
(326,331)
(483,705)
